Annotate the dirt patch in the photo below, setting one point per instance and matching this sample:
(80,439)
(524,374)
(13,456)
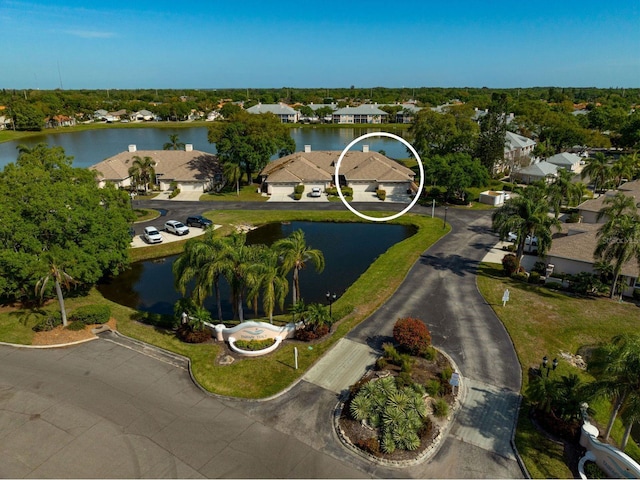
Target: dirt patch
(61,335)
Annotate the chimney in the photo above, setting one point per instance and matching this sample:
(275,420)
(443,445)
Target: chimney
(188,147)
(365,148)
(307,148)
(132,148)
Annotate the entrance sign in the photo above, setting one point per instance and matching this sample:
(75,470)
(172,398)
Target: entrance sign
(505,297)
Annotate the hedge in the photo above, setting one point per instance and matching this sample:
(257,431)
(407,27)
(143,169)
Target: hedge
(91,314)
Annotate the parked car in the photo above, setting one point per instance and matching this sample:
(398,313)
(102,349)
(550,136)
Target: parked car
(529,242)
(316,192)
(198,221)
(176,227)
(152,235)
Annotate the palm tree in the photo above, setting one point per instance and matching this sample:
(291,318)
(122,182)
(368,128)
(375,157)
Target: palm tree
(233,173)
(526,216)
(619,204)
(619,243)
(60,279)
(144,170)
(174,143)
(616,366)
(560,190)
(318,315)
(241,258)
(270,280)
(204,260)
(624,167)
(598,170)
(630,415)
(295,253)
(543,392)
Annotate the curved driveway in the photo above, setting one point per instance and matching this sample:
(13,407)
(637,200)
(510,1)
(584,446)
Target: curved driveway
(104,409)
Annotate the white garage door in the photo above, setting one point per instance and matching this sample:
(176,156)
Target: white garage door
(362,187)
(190,187)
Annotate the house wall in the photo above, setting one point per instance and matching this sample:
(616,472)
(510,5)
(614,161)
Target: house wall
(590,217)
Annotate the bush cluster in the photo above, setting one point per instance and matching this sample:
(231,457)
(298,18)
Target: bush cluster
(509,264)
(298,189)
(187,334)
(346,191)
(48,323)
(91,314)
(311,332)
(534,277)
(412,336)
(382,194)
(255,345)
(76,326)
(175,192)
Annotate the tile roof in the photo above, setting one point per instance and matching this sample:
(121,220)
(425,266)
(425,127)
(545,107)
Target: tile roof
(178,165)
(320,166)
(564,158)
(366,109)
(540,169)
(631,189)
(577,241)
(517,141)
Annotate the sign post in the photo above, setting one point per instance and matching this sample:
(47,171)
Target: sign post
(505,297)
(295,356)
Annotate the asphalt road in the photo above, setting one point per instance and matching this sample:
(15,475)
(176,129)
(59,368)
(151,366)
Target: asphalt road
(104,409)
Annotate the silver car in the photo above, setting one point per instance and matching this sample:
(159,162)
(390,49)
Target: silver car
(176,227)
(152,235)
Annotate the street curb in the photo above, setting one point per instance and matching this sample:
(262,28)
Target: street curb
(58,345)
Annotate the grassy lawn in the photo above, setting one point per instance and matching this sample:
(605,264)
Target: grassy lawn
(264,376)
(248,193)
(546,322)
(144,214)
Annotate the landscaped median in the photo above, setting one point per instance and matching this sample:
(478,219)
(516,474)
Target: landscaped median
(543,322)
(265,376)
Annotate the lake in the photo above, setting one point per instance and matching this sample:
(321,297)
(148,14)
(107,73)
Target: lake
(92,146)
(347,248)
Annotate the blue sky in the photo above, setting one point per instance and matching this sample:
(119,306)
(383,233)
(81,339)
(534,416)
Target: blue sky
(214,44)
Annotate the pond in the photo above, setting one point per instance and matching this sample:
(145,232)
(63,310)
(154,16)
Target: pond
(92,146)
(348,248)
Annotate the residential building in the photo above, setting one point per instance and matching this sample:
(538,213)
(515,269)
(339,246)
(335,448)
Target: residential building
(566,160)
(367,113)
(518,151)
(191,170)
(364,171)
(538,171)
(589,209)
(285,113)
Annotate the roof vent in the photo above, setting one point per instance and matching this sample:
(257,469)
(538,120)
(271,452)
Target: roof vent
(132,148)
(188,147)
(365,148)
(307,148)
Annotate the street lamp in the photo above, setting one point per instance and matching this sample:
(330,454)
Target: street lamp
(331,297)
(444,221)
(545,364)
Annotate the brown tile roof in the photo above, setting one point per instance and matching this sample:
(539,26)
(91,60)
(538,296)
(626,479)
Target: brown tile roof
(320,166)
(177,165)
(577,241)
(594,205)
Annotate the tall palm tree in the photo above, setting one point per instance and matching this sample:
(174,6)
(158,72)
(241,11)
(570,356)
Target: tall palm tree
(598,170)
(174,143)
(559,190)
(616,366)
(204,260)
(619,243)
(619,204)
(624,167)
(241,259)
(269,280)
(60,279)
(295,253)
(526,216)
(144,170)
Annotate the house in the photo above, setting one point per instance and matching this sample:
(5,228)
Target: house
(100,114)
(190,169)
(213,115)
(538,171)
(408,113)
(5,121)
(518,150)
(367,113)
(568,161)
(589,209)
(285,113)
(363,171)
(59,121)
(142,115)
(572,250)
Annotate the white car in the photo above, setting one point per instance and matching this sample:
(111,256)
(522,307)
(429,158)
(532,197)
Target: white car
(176,227)
(152,235)
(512,237)
(315,192)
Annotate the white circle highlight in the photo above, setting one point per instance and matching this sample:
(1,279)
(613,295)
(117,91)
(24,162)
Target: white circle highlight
(379,134)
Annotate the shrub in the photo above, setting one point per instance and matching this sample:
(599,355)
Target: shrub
(381,363)
(382,194)
(404,379)
(429,353)
(347,191)
(76,326)
(391,354)
(48,323)
(540,267)
(187,334)
(636,294)
(298,189)
(155,319)
(311,332)
(440,408)
(426,428)
(371,445)
(522,276)
(446,373)
(91,314)
(509,264)
(175,192)
(433,387)
(534,277)
(406,363)
(254,345)
(297,196)
(412,335)
(331,191)
(573,218)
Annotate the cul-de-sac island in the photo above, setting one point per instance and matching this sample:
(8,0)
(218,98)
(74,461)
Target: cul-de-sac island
(185,292)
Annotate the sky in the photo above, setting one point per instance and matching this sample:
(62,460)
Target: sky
(86,44)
